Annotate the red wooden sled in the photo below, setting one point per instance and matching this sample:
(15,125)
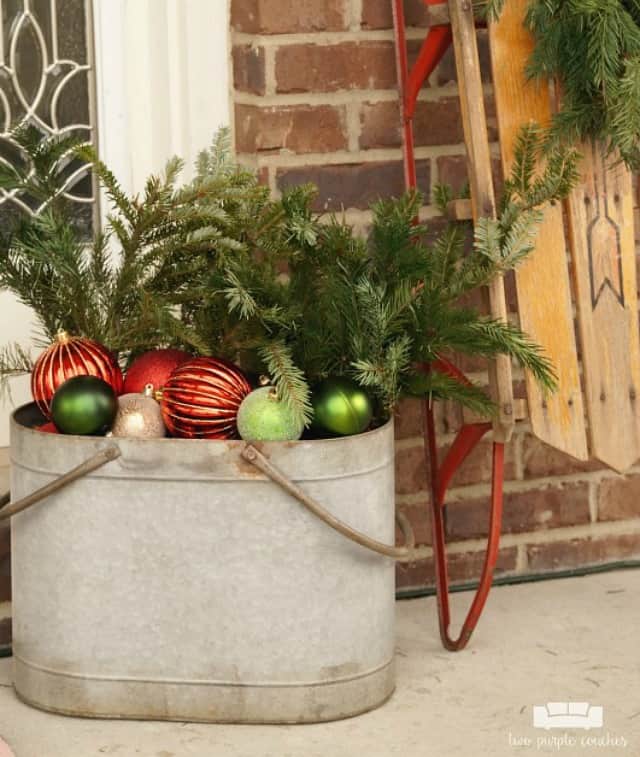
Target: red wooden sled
(411,80)
(599,218)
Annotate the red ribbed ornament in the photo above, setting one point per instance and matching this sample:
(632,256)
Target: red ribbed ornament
(201,399)
(67,357)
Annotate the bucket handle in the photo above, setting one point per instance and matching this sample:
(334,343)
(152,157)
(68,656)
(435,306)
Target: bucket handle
(101,458)
(401,554)
(256,458)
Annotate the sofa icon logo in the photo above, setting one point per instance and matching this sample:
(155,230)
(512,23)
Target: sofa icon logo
(568,715)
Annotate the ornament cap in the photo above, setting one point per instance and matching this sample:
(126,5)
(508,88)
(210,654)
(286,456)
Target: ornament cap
(62,337)
(149,391)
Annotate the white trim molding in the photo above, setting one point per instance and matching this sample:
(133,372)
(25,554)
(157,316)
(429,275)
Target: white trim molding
(162,81)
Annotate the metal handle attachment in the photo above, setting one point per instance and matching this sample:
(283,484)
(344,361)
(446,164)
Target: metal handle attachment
(256,458)
(401,554)
(88,466)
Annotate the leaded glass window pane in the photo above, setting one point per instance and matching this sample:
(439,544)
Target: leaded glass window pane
(46,79)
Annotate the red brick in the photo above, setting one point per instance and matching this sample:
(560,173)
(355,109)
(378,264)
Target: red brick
(298,128)
(288,16)
(436,123)
(447,416)
(478,467)
(619,498)
(408,420)
(411,470)
(380,125)
(541,460)
(354,185)
(328,68)
(5,632)
(463,567)
(244,15)
(248,69)
(575,553)
(536,510)
(377,14)
(452,170)
(420,518)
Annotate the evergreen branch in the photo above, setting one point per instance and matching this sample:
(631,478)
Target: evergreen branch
(238,297)
(109,182)
(593,49)
(442,195)
(385,377)
(441,386)
(492,337)
(15,360)
(288,379)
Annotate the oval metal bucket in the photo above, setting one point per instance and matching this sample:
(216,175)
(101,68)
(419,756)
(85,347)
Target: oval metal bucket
(178,583)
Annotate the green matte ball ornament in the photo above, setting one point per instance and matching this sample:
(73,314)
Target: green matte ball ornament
(262,417)
(84,405)
(340,406)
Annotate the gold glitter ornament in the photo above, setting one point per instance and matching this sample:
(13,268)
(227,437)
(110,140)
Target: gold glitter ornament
(139,417)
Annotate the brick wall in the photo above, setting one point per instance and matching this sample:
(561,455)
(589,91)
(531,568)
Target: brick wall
(315,100)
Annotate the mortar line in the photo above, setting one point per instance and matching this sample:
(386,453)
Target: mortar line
(282,159)
(340,96)
(271,85)
(542,537)
(325,38)
(356,10)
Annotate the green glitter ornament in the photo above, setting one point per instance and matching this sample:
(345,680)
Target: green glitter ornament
(262,417)
(84,405)
(340,406)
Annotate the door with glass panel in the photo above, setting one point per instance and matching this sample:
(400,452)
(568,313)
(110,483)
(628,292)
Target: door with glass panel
(46,82)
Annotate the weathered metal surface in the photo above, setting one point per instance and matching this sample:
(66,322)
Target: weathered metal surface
(177,582)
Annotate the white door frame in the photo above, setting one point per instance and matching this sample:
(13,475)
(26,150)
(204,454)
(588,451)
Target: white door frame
(162,81)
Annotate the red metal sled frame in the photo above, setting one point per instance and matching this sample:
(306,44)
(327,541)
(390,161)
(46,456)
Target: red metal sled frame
(436,43)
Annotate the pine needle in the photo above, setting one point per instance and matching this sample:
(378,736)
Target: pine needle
(289,380)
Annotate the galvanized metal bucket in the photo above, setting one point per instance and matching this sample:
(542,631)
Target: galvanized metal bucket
(178,582)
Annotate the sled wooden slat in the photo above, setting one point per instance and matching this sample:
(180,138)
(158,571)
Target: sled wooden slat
(543,282)
(601,230)
(482,191)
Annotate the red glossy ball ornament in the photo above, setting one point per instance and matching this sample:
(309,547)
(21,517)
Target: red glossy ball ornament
(153,368)
(201,399)
(67,357)
(47,428)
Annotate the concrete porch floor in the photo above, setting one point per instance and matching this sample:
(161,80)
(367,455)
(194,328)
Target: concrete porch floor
(568,640)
